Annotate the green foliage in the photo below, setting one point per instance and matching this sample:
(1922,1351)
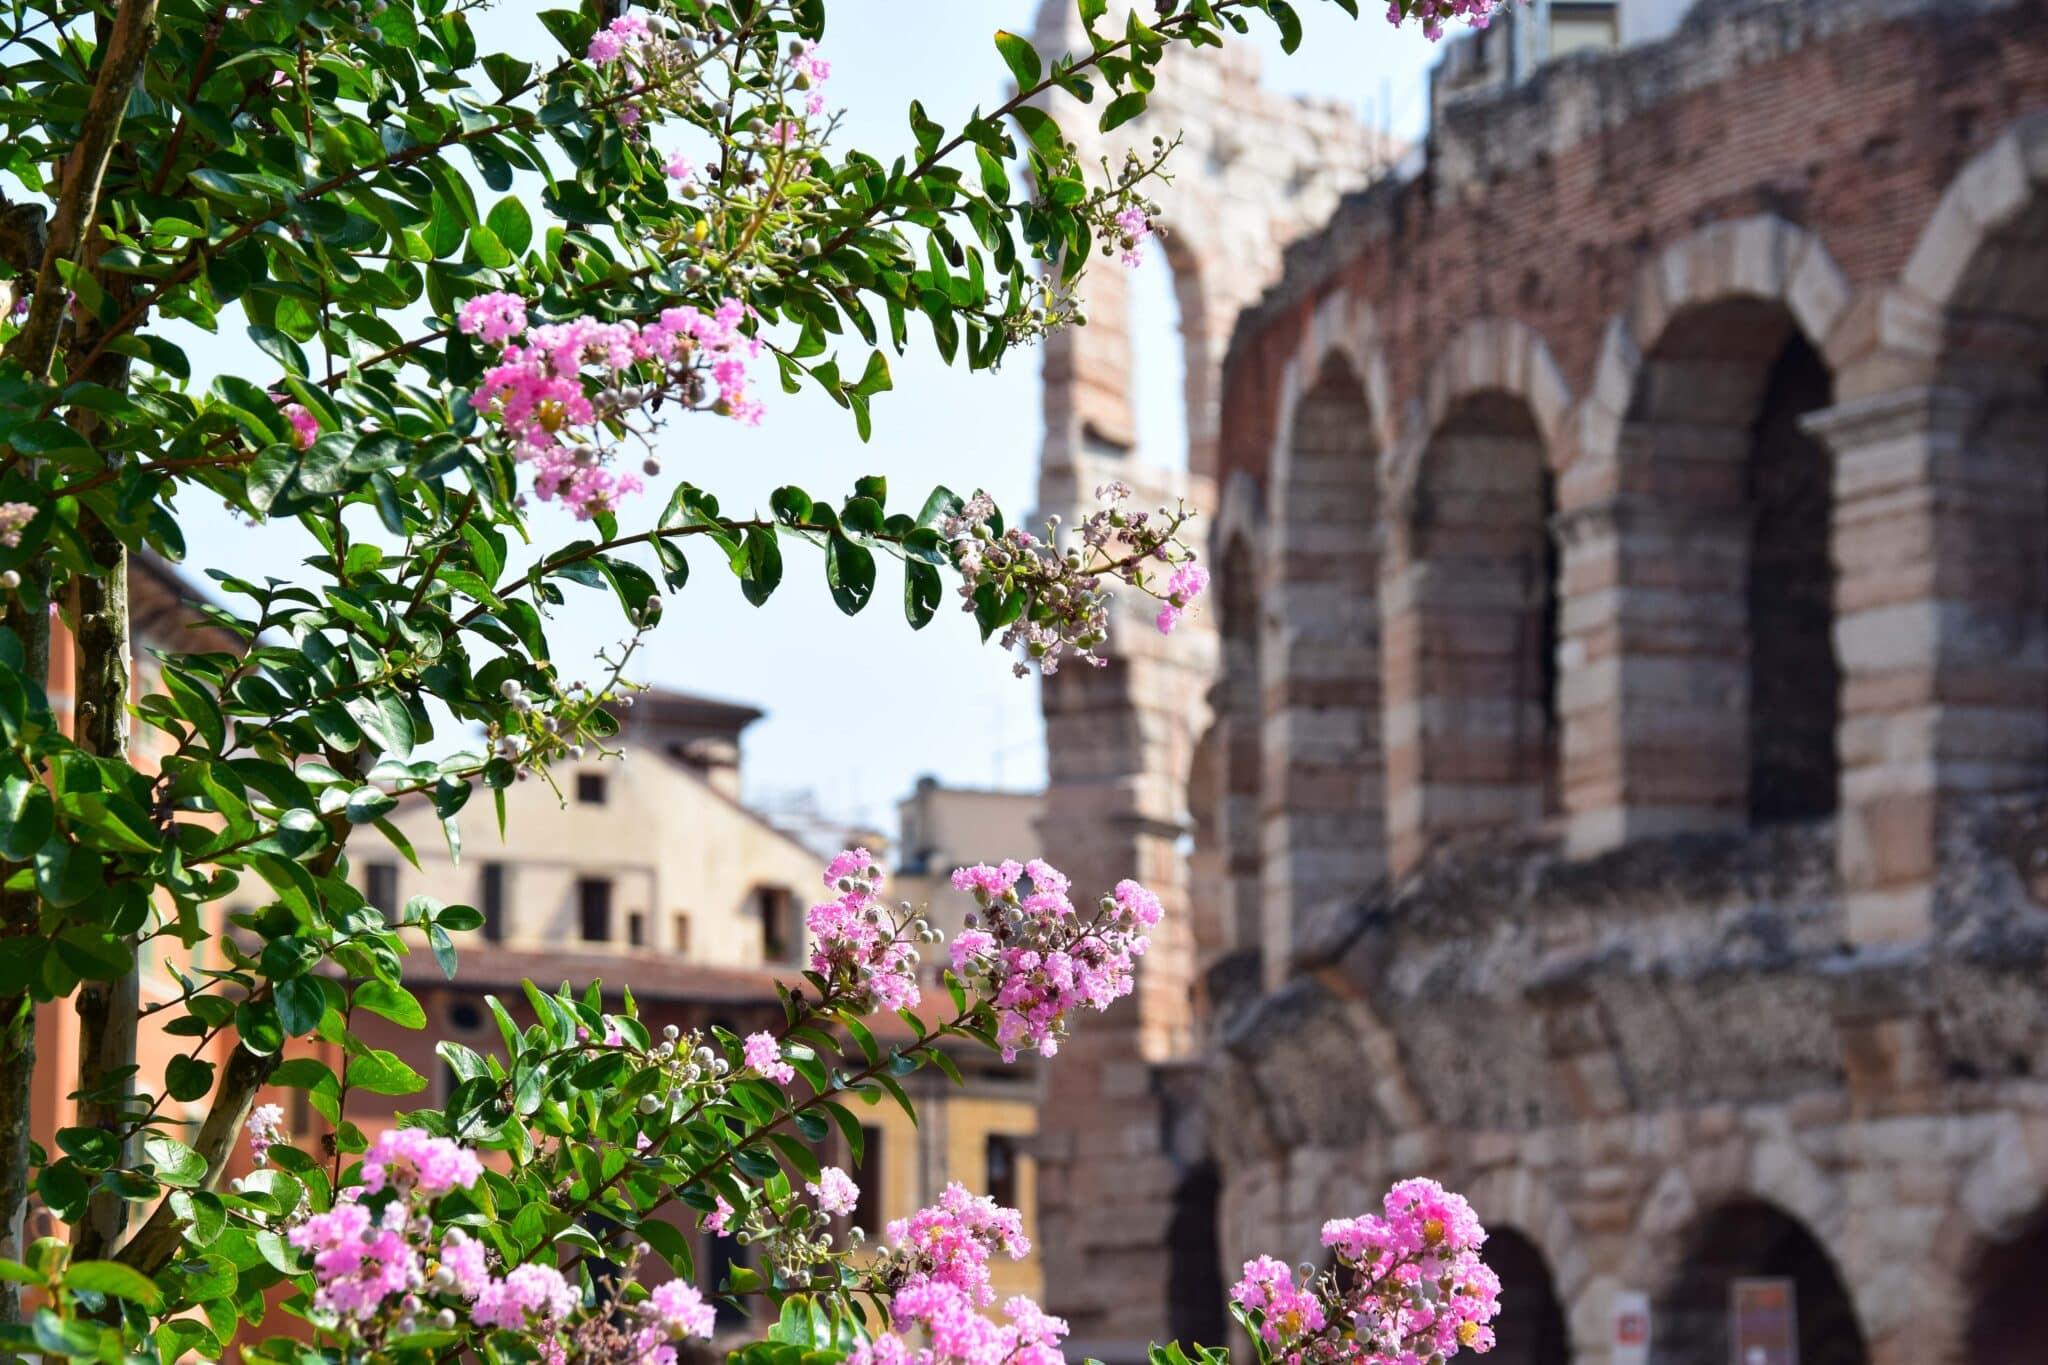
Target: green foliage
(334,183)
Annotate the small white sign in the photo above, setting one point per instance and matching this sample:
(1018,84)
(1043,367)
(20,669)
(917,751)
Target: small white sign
(1629,1341)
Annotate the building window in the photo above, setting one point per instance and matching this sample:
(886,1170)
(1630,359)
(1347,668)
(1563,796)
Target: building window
(380,887)
(682,932)
(465,1017)
(594,907)
(1584,26)
(590,789)
(492,894)
(867,1173)
(1002,1158)
(778,922)
(636,929)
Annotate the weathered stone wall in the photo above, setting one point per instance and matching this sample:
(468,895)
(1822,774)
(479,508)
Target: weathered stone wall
(1706,763)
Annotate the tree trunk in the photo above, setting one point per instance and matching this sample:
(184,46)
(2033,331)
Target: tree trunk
(18,916)
(107,1010)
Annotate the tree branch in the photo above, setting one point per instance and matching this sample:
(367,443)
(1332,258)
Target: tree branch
(84,171)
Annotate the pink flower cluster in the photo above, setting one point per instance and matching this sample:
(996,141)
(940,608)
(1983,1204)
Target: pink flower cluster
(529,1296)
(956,1333)
(360,1261)
(1186,584)
(952,1241)
(1414,1289)
(674,1311)
(1290,1311)
(835,1191)
(412,1160)
(266,1130)
(1033,957)
(764,1055)
(1133,227)
(14,516)
(940,1257)
(615,40)
(554,385)
(1433,14)
(855,943)
(811,71)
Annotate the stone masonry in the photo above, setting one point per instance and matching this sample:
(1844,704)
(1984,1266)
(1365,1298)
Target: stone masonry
(1615,779)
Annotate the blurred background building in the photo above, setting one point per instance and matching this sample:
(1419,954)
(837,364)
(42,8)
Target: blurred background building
(1612,781)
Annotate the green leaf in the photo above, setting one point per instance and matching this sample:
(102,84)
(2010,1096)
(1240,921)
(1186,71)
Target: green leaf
(849,572)
(393,1002)
(26,816)
(188,1078)
(300,1003)
(175,1163)
(111,1277)
(511,224)
(922,592)
(1122,110)
(1020,57)
(759,564)
(381,1073)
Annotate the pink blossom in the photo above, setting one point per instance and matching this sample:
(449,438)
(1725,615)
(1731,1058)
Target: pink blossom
(358,1262)
(835,1191)
(413,1159)
(555,386)
(266,1130)
(617,38)
(856,944)
(950,1242)
(678,167)
(1035,960)
(462,1260)
(531,1295)
(1186,584)
(764,1055)
(13,517)
(305,426)
(812,71)
(1133,228)
(1414,1286)
(497,318)
(678,1310)
(719,1220)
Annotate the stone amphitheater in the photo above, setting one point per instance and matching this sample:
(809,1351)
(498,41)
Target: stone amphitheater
(1608,777)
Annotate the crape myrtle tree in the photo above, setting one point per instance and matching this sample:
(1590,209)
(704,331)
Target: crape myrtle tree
(480,280)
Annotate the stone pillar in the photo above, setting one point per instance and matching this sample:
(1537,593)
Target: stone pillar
(1941,623)
(1323,783)
(1654,690)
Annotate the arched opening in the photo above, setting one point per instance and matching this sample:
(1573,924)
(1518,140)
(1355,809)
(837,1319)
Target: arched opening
(1194,1274)
(1531,1327)
(1475,683)
(1735,701)
(1695,1320)
(1225,791)
(1795,682)
(1323,783)
(1160,343)
(2009,1321)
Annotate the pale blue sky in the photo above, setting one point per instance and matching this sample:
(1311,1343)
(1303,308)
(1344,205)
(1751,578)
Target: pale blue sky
(859,707)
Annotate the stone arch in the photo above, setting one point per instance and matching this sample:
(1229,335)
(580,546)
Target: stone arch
(1323,783)
(1751,1238)
(1699,494)
(1985,247)
(1515,1196)
(1488,355)
(1471,596)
